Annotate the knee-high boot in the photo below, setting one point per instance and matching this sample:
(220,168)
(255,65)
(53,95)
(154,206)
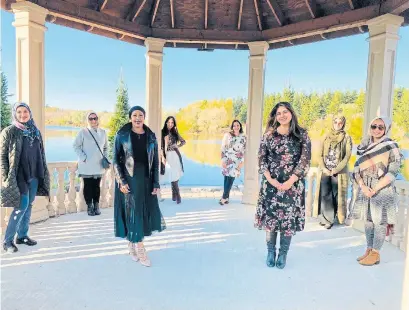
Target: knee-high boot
(285,242)
(271,238)
(177,193)
(173,191)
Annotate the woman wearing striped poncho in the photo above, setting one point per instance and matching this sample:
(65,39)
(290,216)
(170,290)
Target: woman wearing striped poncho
(375,171)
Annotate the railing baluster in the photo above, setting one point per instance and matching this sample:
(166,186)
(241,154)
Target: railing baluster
(81,205)
(61,209)
(72,206)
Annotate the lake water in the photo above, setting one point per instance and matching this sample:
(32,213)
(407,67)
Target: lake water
(201,156)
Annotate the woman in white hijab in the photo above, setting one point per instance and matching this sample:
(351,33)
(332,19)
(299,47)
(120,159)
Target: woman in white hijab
(379,161)
(91,146)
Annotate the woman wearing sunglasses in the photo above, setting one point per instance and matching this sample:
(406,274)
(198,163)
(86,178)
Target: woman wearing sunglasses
(375,171)
(91,146)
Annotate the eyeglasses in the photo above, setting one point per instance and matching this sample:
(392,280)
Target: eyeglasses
(93,118)
(380,127)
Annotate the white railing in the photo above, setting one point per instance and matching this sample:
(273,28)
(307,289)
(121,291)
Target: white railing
(66,197)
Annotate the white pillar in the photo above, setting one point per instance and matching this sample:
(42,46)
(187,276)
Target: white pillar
(154,59)
(257,61)
(383,41)
(29,23)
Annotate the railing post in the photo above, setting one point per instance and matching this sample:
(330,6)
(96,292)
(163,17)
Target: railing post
(103,199)
(50,206)
(72,206)
(61,191)
(81,205)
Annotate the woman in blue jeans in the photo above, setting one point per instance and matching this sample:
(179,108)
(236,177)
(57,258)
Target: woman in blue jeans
(24,174)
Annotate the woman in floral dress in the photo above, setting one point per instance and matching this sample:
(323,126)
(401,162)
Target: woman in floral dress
(233,147)
(284,161)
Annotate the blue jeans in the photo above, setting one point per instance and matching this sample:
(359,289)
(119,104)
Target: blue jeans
(20,217)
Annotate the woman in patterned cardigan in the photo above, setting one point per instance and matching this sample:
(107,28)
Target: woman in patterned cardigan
(375,171)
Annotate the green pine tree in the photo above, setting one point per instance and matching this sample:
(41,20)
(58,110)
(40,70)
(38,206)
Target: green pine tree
(120,116)
(5,107)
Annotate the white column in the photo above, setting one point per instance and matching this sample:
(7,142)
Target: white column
(383,41)
(154,58)
(29,23)
(257,63)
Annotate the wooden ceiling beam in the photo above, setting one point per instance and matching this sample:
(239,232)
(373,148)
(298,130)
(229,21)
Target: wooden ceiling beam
(206,12)
(353,4)
(258,15)
(135,10)
(396,7)
(101,5)
(155,11)
(312,7)
(335,22)
(240,14)
(172,15)
(278,14)
(72,12)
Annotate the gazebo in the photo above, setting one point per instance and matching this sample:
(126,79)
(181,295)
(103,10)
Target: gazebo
(254,25)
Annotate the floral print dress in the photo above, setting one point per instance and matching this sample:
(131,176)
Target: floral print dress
(283,156)
(233,148)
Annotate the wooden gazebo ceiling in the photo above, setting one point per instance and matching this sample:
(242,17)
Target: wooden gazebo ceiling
(209,24)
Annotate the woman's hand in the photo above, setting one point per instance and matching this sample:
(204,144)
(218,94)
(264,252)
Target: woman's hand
(286,185)
(224,165)
(125,189)
(367,191)
(155,191)
(274,183)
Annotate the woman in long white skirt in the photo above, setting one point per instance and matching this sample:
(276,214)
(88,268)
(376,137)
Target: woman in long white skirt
(172,164)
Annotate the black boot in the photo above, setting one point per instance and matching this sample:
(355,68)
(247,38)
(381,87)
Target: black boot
(10,247)
(96,208)
(90,209)
(177,193)
(285,242)
(271,238)
(173,191)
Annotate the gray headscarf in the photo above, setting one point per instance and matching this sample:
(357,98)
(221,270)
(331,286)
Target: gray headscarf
(368,139)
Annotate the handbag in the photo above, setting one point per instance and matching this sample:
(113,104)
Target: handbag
(104,161)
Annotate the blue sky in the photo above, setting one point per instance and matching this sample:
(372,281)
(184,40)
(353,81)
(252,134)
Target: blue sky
(82,69)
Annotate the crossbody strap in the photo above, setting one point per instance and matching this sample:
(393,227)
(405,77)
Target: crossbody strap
(96,142)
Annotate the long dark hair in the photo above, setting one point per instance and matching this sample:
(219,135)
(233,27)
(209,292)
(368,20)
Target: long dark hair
(173,131)
(273,124)
(232,124)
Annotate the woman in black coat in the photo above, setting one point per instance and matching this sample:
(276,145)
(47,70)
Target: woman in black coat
(136,167)
(24,174)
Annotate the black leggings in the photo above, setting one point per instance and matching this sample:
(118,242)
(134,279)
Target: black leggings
(92,190)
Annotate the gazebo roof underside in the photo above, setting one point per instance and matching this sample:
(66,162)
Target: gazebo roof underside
(220,24)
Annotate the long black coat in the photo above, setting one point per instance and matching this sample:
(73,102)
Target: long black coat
(11,145)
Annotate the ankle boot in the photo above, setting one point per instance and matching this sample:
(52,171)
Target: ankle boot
(285,242)
(177,193)
(96,208)
(271,238)
(90,209)
(173,191)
